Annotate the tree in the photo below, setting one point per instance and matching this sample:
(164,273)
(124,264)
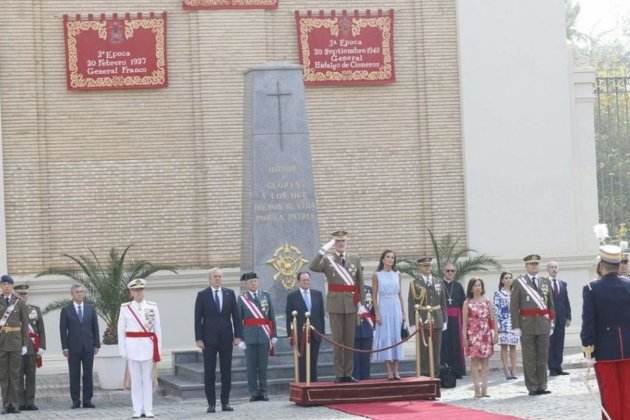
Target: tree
(106,285)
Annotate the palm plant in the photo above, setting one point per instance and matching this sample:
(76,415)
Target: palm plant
(105,284)
(451,249)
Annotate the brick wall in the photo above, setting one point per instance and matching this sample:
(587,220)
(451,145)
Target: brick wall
(161,168)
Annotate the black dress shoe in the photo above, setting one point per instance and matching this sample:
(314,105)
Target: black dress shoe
(543,392)
(32,407)
(88,404)
(226,407)
(340,380)
(23,407)
(12,409)
(76,405)
(533,393)
(211,409)
(563,373)
(263,398)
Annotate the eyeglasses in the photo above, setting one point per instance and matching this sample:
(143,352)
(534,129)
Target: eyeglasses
(449,271)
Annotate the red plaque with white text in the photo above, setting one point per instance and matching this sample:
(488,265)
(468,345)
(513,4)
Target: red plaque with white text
(229,4)
(126,52)
(347,49)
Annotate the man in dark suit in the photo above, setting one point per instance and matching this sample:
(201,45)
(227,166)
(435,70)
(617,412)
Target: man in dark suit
(303,300)
(80,341)
(606,332)
(563,319)
(217,329)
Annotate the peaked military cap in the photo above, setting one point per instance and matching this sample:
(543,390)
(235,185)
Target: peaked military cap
(610,254)
(532,259)
(248,276)
(340,235)
(423,260)
(136,284)
(6,279)
(21,288)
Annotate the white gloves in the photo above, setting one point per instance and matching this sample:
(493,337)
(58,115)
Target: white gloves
(517,332)
(41,352)
(242,345)
(274,340)
(445,326)
(551,331)
(24,350)
(327,246)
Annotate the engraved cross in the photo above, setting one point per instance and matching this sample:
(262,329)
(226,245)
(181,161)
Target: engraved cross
(278,95)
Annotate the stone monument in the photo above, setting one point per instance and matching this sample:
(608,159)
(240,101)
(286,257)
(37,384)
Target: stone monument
(280,229)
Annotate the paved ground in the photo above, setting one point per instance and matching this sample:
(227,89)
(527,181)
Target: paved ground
(569,399)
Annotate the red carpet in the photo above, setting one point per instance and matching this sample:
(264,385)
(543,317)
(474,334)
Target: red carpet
(412,410)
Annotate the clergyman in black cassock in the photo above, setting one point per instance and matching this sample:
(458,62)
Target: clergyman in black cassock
(452,352)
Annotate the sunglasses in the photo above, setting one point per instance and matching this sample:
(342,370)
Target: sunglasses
(449,271)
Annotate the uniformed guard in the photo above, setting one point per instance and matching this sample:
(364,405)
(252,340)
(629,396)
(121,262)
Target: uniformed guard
(532,315)
(13,342)
(428,292)
(606,332)
(364,337)
(36,346)
(139,342)
(259,335)
(344,275)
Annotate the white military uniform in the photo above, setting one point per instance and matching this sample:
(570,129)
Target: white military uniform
(139,351)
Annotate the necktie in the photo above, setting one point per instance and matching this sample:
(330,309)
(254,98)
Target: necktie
(217,302)
(307,300)
(255,297)
(555,287)
(80,313)
(7,300)
(343,260)
(534,283)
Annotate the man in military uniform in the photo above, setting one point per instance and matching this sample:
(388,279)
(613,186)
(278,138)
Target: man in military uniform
(139,342)
(606,332)
(344,275)
(532,315)
(428,292)
(36,346)
(259,335)
(364,337)
(13,342)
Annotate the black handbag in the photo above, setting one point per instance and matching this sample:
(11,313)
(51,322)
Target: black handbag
(448,379)
(404,331)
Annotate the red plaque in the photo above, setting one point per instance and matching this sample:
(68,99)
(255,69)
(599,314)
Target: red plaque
(229,4)
(346,49)
(116,53)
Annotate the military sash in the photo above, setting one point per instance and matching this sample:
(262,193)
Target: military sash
(36,340)
(145,333)
(341,271)
(7,314)
(258,315)
(532,294)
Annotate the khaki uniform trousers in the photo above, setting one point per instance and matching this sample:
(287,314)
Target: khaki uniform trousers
(343,327)
(535,349)
(10,365)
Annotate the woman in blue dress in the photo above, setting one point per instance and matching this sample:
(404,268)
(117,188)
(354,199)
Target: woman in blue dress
(507,339)
(388,308)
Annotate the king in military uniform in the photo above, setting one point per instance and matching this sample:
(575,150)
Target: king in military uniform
(606,332)
(428,292)
(139,342)
(13,343)
(35,346)
(344,275)
(259,335)
(532,314)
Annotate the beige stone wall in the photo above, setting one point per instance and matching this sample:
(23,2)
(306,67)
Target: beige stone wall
(161,168)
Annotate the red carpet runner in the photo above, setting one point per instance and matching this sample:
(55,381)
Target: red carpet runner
(412,410)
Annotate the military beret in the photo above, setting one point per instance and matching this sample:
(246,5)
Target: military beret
(136,284)
(248,276)
(6,279)
(340,235)
(610,254)
(532,259)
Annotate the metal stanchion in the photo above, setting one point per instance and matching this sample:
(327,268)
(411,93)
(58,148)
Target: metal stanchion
(430,324)
(418,338)
(307,337)
(296,347)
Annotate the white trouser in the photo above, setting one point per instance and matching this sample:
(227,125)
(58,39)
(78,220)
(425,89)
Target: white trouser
(141,375)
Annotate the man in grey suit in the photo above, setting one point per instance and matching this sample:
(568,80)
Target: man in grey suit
(259,335)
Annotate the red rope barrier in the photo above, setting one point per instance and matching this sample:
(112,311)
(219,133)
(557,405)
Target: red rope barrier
(334,343)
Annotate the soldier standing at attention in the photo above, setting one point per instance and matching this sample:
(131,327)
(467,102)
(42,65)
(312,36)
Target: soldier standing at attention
(344,275)
(36,346)
(139,342)
(259,335)
(428,292)
(532,314)
(13,341)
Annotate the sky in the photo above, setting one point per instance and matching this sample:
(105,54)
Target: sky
(601,16)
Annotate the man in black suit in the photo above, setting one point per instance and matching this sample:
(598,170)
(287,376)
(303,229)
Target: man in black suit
(80,341)
(563,319)
(217,328)
(303,300)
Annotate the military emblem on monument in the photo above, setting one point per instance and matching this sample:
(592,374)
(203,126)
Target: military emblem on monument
(287,260)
